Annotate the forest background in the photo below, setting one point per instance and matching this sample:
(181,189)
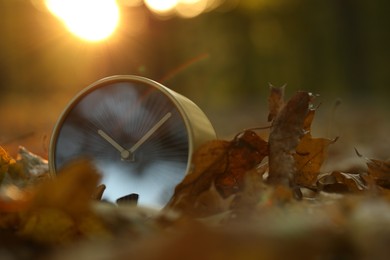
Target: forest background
(223,60)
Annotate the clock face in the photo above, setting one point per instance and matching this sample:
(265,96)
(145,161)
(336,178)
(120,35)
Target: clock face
(134,134)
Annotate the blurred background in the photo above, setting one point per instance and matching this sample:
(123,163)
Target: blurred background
(222,54)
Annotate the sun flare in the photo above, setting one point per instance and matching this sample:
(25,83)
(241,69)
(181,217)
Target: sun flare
(161,6)
(91,20)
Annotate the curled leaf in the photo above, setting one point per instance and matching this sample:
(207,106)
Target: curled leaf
(285,135)
(340,182)
(247,151)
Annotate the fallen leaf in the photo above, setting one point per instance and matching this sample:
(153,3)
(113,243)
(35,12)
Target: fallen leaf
(275,101)
(310,155)
(5,162)
(71,190)
(220,163)
(209,158)
(47,226)
(252,193)
(380,172)
(286,133)
(27,170)
(130,199)
(98,193)
(58,210)
(208,161)
(247,150)
(340,182)
(210,202)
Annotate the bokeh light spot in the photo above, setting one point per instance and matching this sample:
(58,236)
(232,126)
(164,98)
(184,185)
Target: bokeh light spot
(161,6)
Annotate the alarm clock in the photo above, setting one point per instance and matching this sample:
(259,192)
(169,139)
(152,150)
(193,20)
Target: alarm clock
(139,134)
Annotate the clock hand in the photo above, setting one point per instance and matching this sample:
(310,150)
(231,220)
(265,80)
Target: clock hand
(150,133)
(125,154)
(128,154)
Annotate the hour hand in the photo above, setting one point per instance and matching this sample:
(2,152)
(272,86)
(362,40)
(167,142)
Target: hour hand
(125,154)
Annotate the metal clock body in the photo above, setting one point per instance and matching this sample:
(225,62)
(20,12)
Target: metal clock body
(139,134)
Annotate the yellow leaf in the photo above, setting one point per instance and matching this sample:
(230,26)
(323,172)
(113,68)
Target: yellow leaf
(309,157)
(59,210)
(71,190)
(5,162)
(47,225)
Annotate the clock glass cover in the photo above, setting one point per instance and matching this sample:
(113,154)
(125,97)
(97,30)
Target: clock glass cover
(134,132)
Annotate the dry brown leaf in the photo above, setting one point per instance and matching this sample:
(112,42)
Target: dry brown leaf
(5,162)
(285,135)
(211,202)
(310,155)
(247,151)
(71,190)
(340,182)
(208,161)
(218,163)
(380,172)
(48,226)
(98,193)
(58,210)
(208,158)
(275,101)
(252,192)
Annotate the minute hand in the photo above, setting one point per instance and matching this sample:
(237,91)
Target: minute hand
(150,133)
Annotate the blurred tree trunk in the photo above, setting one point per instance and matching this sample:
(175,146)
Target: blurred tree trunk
(352,44)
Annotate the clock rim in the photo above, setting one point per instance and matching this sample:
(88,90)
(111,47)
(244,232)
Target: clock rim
(199,128)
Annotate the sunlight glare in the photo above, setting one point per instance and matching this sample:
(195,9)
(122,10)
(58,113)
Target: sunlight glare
(191,8)
(161,6)
(91,20)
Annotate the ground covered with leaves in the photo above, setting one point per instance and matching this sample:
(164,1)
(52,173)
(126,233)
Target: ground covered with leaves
(245,198)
